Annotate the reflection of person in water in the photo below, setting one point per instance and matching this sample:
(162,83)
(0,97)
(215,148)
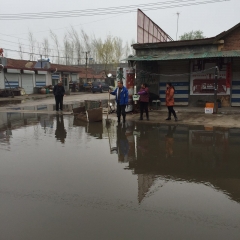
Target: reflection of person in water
(122,144)
(60,132)
(169,141)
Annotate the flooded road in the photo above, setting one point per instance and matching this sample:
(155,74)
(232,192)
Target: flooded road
(64,179)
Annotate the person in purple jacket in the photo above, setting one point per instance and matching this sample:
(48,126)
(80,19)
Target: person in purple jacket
(144,100)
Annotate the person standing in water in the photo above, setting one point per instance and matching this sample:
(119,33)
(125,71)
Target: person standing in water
(59,92)
(170,101)
(121,95)
(144,100)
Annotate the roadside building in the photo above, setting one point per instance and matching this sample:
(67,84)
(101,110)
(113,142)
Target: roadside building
(190,66)
(31,74)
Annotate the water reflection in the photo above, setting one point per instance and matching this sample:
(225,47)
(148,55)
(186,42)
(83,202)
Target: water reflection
(92,129)
(197,154)
(60,132)
(150,151)
(122,144)
(118,173)
(169,141)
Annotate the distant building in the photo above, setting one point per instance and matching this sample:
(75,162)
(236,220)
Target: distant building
(30,74)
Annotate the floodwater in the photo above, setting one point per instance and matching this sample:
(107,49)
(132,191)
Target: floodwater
(4,103)
(64,179)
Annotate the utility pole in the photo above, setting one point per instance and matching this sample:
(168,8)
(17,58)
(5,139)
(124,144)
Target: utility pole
(216,89)
(41,60)
(86,63)
(178,13)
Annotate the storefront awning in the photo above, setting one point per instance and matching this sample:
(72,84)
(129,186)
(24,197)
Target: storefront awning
(184,56)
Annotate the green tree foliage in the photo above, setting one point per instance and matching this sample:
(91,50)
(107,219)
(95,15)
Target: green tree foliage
(192,35)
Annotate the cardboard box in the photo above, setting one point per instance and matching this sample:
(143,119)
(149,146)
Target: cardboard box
(209,110)
(209,105)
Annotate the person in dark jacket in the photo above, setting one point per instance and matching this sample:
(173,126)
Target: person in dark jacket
(60,132)
(170,101)
(59,92)
(121,94)
(144,100)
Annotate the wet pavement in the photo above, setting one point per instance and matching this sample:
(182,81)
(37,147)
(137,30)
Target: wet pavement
(61,178)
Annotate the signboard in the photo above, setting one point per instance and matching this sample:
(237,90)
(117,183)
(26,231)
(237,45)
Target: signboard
(203,78)
(148,31)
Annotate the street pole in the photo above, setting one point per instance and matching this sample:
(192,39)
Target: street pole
(177,25)
(86,63)
(216,89)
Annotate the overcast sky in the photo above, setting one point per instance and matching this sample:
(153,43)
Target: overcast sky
(210,18)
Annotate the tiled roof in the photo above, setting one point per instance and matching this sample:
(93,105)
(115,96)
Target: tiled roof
(65,68)
(181,56)
(20,64)
(29,65)
(91,76)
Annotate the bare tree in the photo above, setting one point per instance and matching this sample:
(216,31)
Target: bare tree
(39,48)
(46,49)
(133,52)
(96,48)
(56,43)
(77,46)
(86,40)
(68,50)
(118,49)
(32,43)
(20,50)
(126,50)
(105,51)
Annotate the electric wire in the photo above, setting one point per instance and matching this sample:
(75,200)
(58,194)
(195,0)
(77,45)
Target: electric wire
(37,54)
(128,9)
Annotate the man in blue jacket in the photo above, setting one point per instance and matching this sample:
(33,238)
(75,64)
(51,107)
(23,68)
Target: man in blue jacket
(121,94)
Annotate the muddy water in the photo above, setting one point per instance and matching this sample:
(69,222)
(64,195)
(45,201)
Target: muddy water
(64,179)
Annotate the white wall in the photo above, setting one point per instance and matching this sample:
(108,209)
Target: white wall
(2,85)
(48,79)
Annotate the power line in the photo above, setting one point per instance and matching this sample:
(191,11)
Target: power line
(105,11)
(38,54)
(21,44)
(54,29)
(211,1)
(91,10)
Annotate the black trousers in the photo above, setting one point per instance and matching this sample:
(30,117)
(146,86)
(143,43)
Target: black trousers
(59,101)
(143,107)
(171,111)
(121,110)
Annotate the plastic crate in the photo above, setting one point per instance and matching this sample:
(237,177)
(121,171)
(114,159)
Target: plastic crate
(209,110)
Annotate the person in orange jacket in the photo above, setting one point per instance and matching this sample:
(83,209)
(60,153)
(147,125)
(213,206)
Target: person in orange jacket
(170,101)
(169,141)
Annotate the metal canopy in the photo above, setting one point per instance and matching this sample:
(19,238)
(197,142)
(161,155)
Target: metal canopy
(182,56)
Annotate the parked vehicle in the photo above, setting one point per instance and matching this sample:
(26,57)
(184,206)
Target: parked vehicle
(99,87)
